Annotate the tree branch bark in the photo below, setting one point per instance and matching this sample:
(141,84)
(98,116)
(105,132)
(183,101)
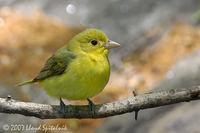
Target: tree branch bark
(135,103)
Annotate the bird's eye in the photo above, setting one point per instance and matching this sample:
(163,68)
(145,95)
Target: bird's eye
(94,42)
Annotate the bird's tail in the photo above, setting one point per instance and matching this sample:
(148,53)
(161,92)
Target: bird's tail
(25,82)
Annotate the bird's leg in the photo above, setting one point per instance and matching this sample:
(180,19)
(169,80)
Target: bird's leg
(91,106)
(62,105)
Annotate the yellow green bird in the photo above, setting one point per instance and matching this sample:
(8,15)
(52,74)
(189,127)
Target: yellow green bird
(78,70)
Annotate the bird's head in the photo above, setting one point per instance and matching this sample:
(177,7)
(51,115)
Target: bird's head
(91,41)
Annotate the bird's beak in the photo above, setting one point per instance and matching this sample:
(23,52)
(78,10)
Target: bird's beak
(111,44)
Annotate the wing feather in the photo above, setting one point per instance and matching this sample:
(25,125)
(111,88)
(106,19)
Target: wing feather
(55,65)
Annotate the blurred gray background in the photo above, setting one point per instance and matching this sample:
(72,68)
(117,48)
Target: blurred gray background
(126,21)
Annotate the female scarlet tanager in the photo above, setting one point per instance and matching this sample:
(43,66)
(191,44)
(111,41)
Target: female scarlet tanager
(78,70)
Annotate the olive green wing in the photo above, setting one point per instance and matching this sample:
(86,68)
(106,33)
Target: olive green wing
(55,65)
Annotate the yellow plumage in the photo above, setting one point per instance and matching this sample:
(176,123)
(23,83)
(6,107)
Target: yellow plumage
(80,69)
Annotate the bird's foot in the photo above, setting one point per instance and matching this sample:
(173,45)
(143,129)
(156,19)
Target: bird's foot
(62,106)
(91,106)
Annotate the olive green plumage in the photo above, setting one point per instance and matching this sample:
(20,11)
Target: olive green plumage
(78,70)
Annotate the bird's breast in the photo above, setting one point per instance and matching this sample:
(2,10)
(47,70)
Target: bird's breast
(96,70)
(93,67)
(85,77)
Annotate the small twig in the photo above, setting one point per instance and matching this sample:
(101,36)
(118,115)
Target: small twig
(136,111)
(131,104)
(136,114)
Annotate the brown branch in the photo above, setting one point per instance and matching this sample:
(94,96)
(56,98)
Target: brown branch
(151,100)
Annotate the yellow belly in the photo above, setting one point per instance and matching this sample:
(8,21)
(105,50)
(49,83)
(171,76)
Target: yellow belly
(83,78)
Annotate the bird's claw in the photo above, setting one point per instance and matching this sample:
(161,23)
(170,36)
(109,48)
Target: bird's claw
(91,106)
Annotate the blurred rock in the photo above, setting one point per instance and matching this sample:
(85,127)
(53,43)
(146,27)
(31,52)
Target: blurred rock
(128,23)
(185,73)
(154,62)
(27,41)
(182,117)
(125,22)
